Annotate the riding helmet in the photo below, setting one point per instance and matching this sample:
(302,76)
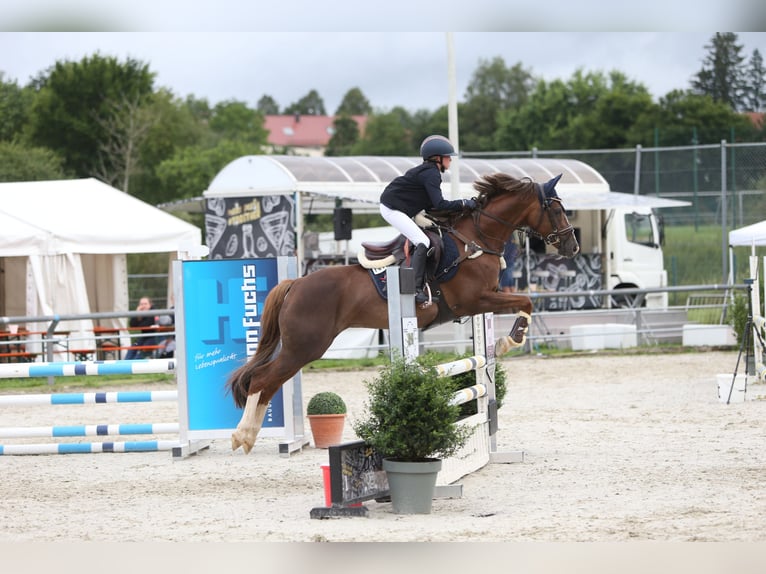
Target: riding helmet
(436,145)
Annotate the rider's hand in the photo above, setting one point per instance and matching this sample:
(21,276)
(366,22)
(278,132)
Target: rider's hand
(469,203)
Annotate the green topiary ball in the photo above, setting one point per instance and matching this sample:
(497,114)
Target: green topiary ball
(326,403)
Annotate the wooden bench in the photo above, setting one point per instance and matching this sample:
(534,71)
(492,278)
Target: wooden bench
(82,354)
(18,357)
(115,350)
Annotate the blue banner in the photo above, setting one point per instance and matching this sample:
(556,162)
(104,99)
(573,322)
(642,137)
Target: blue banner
(223,303)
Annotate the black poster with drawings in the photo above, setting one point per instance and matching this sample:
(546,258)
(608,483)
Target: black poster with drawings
(356,473)
(583,273)
(250,227)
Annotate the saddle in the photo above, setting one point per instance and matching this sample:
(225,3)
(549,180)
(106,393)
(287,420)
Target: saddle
(382,254)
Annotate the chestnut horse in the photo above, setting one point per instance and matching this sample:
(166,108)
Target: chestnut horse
(301,317)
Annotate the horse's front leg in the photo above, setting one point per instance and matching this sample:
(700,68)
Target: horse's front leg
(506,303)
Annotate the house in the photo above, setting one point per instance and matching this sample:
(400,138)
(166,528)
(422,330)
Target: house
(756,118)
(301,134)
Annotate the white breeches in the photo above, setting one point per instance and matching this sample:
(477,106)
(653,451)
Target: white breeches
(405,225)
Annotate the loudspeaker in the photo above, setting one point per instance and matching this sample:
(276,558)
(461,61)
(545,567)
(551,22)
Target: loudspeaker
(341,217)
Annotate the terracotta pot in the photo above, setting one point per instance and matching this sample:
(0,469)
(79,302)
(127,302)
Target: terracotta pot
(327,430)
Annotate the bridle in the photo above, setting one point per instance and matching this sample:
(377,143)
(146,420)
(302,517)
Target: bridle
(546,201)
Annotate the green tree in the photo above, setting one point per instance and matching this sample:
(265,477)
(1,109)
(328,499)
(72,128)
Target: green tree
(19,162)
(384,134)
(233,120)
(680,115)
(590,110)
(125,130)
(177,124)
(267,106)
(189,172)
(198,107)
(494,88)
(608,108)
(345,135)
(309,105)
(424,123)
(722,73)
(755,97)
(75,99)
(354,103)
(14,106)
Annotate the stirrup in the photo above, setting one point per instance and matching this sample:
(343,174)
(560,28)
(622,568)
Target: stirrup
(424,300)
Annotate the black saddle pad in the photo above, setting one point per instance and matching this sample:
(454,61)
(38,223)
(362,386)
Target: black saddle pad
(443,272)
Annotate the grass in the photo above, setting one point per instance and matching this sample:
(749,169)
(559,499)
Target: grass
(63,384)
(693,257)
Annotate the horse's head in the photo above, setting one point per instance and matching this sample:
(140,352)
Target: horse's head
(555,228)
(523,203)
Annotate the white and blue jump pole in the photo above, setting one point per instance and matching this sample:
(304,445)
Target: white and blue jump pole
(403,340)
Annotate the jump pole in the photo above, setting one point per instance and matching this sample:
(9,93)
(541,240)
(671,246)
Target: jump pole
(93,368)
(481,447)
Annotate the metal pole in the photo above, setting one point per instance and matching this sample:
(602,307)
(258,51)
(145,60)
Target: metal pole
(695,176)
(724,212)
(452,119)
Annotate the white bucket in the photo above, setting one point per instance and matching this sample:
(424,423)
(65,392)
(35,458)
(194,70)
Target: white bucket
(725,386)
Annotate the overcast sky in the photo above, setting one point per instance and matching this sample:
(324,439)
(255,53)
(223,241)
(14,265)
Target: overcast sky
(408,69)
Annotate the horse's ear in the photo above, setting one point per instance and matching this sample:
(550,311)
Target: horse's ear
(549,187)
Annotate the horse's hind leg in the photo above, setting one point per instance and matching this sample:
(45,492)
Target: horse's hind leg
(264,383)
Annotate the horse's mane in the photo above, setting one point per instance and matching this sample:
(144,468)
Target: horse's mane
(492,185)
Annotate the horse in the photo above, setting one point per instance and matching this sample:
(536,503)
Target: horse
(301,317)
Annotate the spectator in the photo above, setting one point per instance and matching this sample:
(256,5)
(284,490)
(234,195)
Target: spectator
(144,304)
(507,281)
(168,344)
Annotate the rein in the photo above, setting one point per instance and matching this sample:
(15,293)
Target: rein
(473,249)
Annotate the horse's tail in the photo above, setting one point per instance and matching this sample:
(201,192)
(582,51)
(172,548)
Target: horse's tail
(239,382)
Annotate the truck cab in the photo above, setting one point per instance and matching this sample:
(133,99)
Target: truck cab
(634,254)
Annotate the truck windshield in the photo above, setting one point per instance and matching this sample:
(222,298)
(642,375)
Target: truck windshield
(639,228)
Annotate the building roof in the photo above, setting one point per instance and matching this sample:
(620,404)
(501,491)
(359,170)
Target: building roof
(756,118)
(304,131)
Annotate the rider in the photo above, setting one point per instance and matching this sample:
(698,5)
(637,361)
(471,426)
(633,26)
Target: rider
(417,190)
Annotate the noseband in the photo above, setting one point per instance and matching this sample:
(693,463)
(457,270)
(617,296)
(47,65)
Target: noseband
(546,200)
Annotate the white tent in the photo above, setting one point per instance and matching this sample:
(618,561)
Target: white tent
(750,235)
(63,247)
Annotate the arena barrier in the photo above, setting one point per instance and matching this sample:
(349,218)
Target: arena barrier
(759,323)
(26,370)
(481,447)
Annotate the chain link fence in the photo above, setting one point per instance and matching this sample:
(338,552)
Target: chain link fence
(725,184)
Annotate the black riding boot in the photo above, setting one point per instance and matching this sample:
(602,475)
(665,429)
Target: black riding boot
(418,263)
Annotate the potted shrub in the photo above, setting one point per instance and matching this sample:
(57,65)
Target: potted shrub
(410,420)
(326,412)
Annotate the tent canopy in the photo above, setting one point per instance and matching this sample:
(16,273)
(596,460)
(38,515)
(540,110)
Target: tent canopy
(359,180)
(85,216)
(754,234)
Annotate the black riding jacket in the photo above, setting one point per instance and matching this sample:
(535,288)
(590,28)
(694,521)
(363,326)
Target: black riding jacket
(418,189)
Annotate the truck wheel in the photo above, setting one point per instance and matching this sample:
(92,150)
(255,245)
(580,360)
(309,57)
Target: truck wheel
(627,301)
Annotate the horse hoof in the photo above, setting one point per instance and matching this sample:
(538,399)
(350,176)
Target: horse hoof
(238,439)
(507,343)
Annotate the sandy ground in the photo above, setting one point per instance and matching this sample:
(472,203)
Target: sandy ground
(617,448)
